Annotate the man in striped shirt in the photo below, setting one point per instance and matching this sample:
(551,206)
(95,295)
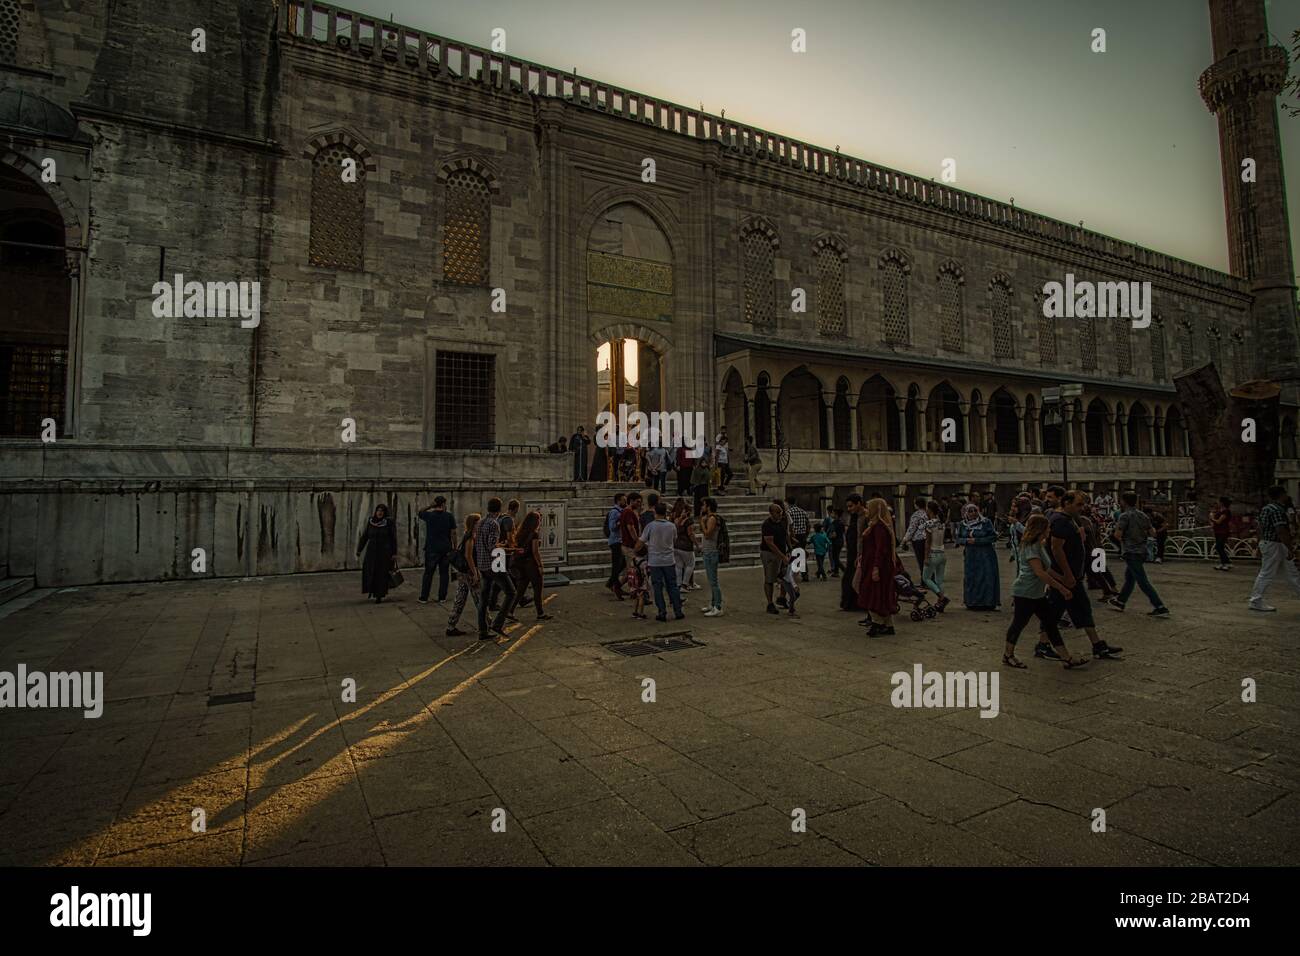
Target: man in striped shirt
(487,537)
(1275,549)
(798,520)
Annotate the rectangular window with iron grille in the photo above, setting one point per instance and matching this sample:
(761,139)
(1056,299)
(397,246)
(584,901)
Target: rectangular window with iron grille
(464,402)
(32,381)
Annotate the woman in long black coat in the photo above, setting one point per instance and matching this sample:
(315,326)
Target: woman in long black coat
(379,541)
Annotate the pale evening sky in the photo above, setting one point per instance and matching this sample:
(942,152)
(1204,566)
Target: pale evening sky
(1008,88)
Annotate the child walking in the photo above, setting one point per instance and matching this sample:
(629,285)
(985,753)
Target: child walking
(821,543)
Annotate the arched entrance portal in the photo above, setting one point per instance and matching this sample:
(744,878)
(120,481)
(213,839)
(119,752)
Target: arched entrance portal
(33,324)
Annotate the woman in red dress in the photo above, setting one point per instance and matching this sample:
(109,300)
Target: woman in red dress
(877,558)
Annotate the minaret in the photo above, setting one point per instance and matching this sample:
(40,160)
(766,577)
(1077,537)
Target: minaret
(1241,89)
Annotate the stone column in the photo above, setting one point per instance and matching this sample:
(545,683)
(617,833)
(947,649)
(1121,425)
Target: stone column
(751,393)
(855,440)
(828,412)
(1159,447)
(901,403)
(1067,426)
(900,511)
(775,395)
(1123,432)
(1151,431)
(1020,426)
(922,426)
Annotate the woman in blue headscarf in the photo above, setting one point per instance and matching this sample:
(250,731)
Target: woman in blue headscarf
(980,586)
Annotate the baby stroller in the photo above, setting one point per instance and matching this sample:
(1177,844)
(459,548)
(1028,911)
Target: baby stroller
(919,598)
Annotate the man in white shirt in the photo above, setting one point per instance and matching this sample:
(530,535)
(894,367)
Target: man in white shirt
(657,541)
(722,455)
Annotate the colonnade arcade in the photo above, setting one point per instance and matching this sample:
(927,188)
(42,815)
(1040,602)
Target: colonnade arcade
(809,406)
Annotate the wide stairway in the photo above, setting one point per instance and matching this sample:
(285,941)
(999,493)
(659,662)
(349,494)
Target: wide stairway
(588,550)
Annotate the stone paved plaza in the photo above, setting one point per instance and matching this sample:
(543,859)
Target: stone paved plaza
(769,716)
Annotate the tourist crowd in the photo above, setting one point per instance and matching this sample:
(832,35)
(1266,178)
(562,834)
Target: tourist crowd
(1055,544)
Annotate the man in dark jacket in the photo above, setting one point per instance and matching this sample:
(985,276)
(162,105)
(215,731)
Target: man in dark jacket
(852,538)
(439,529)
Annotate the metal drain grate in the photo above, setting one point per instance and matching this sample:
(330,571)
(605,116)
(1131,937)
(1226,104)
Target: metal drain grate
(241,698)
(677,641)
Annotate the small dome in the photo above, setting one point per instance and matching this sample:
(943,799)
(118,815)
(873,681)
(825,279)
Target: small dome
(20,110)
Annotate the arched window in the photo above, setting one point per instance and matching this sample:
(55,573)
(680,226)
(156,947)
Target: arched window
(9,14)
(896,324)
(467,228)
(338,208)
(1046,332)
(1187,352)
(1088,344)
(831,256)
(950,307)
(1123,346)
(1000,310)
(1215,348)
(1239,365)
(758,242)
(1158,365)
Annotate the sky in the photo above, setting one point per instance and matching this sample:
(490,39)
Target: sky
(1010,89)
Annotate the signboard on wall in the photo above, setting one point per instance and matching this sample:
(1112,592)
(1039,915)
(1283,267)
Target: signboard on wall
(553,531)
(1186,515)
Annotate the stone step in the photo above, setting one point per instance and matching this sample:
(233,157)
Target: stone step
(599,572)
(11,588)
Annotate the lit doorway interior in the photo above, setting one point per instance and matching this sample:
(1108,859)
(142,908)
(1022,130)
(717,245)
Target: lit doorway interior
(629,372)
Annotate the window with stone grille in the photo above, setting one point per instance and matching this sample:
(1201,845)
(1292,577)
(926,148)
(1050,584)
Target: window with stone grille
(32,380)
(1046,332)
(830,291)
(1239,373)
(1000,306)
(1158,364)
(760,287)
(1123,347)
(8,31)
(466,229)
(1088,344)
(895,322)
(1215,348)
(1186,349)
(1046,341)
(338,210)
(464,400)
(950,303)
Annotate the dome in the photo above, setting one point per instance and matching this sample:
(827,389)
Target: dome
(29,113)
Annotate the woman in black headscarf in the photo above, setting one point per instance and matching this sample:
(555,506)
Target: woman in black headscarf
(379,541)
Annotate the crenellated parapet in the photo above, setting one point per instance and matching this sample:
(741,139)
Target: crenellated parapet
(430,57)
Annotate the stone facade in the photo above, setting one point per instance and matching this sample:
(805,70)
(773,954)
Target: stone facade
(504,209)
